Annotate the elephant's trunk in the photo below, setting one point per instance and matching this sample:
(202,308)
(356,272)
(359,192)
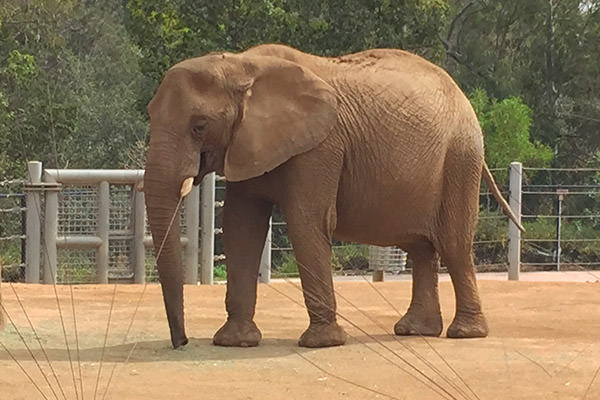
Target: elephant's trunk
(162,183)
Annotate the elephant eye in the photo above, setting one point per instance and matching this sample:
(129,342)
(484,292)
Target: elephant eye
(199,128)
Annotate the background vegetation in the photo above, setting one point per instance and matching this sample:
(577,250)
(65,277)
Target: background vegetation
(76,75)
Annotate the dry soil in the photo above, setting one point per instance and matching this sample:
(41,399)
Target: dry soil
(543,344)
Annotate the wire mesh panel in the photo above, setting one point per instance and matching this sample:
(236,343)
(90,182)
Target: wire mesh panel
(490,247)
(151,268)
(219,269)
(121,209)
(77,215)
(77,210)
(12,225)
(121,233)
(283,262)
(120,266)
(390,259)
(561,215)
(76,266)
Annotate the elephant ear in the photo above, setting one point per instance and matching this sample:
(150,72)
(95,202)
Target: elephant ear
(287,110)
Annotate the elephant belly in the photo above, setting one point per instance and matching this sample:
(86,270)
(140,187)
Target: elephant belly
(388,206)
(387,212)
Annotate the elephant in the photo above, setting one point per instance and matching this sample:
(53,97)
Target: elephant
(378,147)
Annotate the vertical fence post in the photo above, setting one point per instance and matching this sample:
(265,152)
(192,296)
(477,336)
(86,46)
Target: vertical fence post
(33,222)
(102,225)
(192,222)
(207,230)
(23,215)
(139,230)
(514,234)
(264,272)
(561,196)
(50,234)
(1,313)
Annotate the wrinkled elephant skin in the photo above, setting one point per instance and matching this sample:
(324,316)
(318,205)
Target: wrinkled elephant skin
(377,147)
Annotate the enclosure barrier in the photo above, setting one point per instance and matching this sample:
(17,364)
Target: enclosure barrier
(576,240)
(514,234)
(381,259)
(45,188)
(98,219)
(97,232)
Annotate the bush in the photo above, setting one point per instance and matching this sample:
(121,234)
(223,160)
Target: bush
(288,267)
(220,272)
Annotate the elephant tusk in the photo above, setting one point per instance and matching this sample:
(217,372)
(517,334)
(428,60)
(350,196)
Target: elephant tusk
(140,186)
(186,186)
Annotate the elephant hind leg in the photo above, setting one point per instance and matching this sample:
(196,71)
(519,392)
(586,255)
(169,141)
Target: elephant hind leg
(454,243)
(423,316)
(469,321)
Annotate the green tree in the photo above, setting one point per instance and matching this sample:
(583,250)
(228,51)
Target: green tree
(546,52)
(168,31)
(506,126)
(69,79)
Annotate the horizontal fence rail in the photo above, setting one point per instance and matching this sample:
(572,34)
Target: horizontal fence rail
(94,227)
(76,225)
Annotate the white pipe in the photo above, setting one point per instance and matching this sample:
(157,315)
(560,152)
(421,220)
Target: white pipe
(149,243)
(94,176)
(207,231)
(514,234)
(33,224)
(78,242)
(103,230)
(192,223)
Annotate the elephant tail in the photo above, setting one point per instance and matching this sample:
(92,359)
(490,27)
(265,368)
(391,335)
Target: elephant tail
(491,184)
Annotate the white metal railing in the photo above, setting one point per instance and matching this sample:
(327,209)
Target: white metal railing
(44,189)
(54,180)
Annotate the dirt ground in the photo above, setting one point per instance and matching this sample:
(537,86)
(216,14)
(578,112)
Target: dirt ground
(544,343)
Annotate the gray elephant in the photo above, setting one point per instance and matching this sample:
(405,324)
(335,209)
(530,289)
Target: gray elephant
(378,147)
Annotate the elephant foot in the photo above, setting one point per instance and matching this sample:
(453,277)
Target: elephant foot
(419,323)
(323,335)
(468,326)
(178,343)
(238,333)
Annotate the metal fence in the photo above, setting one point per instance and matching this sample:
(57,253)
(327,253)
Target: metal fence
(90,226)
(12,228)
(561,209)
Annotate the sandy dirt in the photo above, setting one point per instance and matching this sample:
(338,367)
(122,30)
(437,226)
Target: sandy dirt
(544,344)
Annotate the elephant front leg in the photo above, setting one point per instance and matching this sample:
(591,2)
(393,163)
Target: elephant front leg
(312,249)
(245,225)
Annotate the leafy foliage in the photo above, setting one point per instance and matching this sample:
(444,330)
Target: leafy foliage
(68,86)
(220,272)
(75,76)
(168,31)
(545,52)
(506,126)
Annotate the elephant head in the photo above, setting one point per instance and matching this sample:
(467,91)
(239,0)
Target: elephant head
(235,114)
